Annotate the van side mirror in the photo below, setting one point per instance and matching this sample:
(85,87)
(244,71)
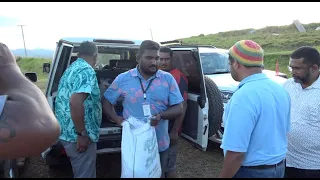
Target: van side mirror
(46,68)
(32,76)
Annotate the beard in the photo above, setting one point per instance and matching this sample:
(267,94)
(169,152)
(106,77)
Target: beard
(149,70)
(302,80)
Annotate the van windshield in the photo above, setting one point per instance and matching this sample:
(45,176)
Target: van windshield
(215,62)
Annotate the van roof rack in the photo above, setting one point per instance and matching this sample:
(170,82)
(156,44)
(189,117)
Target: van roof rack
(173,42)
(113,41)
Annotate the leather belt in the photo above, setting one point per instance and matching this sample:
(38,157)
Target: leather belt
(265,166)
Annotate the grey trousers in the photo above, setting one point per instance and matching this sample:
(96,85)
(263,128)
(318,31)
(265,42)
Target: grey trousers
(83,164)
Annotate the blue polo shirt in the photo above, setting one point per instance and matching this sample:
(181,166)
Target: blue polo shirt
(162,93)
(257,120)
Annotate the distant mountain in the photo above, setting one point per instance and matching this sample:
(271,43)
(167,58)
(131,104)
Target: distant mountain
(38,53)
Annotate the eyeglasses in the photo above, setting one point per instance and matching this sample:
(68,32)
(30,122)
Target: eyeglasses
(298,69)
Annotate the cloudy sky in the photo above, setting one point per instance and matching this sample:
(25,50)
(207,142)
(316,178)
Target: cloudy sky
(47,22)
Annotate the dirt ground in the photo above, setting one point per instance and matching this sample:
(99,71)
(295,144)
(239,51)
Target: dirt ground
(191,163)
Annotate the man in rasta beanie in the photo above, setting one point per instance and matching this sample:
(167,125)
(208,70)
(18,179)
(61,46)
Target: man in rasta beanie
(257,118)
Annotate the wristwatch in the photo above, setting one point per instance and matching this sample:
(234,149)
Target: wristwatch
(83,133)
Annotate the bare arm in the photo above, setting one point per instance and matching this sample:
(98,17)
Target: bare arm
(108,109)
(27,124)
(172,112)
(231,164)
(77,110)
(178,121)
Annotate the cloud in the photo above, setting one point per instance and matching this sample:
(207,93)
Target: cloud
(8,21)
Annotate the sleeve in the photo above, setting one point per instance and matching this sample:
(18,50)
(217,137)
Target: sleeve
(174,92)
(239,125)
(183,86)
(114,90)
(3,99)
(83,81)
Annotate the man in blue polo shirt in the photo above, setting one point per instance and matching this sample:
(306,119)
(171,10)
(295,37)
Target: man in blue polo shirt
(257,118)
(147,91)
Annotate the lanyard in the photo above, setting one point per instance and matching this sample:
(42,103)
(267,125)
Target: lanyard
(144,91)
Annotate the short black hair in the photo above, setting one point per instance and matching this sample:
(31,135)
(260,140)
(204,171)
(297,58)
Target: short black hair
(309,54)
(148,45)
(87,48)
(166,50)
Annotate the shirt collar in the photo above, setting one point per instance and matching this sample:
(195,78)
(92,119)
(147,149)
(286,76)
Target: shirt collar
(315,84)
(80,59)
(254,77)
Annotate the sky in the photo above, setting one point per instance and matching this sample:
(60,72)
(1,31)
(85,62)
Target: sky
(47,22)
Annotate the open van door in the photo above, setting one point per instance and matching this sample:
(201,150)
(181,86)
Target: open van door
(195,125)
(61,61)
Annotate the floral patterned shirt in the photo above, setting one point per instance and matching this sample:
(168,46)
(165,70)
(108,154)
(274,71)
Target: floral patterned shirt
(80,77)
(162,93)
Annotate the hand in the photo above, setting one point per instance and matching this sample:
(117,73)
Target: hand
(119,120)
(155,120)
(174,137)
(83,143)
(6,56)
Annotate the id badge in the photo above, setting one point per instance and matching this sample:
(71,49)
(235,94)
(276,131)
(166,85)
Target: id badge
(146,109)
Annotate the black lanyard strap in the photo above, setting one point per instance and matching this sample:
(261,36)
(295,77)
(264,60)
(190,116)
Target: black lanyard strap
(144,91)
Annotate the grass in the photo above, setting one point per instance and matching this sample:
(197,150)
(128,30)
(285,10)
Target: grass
(288,39)
(35,65)
(42,84)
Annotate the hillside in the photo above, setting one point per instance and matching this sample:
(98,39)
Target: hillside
(271,38)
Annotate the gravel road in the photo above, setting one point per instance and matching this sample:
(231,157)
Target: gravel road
(191,162)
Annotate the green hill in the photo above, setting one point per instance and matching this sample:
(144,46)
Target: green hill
(271,38)
(277,41)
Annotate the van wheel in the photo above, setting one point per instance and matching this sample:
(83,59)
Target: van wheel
(215,106)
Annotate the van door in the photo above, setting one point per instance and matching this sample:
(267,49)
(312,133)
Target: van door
(195,125)
(60,63)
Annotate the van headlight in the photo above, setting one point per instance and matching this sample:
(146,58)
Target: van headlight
(226,96)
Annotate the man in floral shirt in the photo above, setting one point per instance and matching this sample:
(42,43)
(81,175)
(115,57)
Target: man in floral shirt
(78,110)
(147,91)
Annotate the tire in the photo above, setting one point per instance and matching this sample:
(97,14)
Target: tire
(10,169)
(215,111)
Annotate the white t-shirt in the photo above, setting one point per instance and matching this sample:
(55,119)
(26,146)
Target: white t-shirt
(304,134)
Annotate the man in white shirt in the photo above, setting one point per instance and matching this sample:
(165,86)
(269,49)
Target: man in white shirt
(303,157)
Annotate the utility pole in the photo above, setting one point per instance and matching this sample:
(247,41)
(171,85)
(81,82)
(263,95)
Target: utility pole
(24,43)
(151,34)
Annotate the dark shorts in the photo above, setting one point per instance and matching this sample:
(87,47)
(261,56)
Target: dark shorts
(163,161)
(172,158)
(301,173)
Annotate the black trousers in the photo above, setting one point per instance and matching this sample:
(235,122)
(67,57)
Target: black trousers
(301,173)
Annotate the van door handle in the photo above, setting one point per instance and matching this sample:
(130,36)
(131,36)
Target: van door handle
(205,129)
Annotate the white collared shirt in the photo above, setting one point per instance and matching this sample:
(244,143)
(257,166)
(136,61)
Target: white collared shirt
(304,134)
